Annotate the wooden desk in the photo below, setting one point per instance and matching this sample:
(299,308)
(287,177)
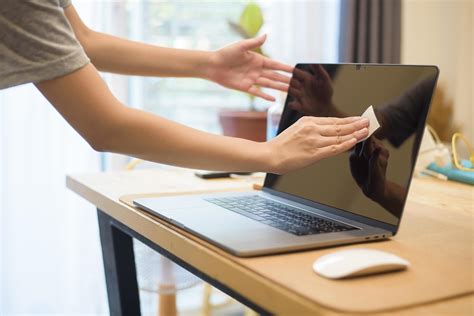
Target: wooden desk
(436,236)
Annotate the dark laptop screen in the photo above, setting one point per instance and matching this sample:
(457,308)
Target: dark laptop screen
(372,179)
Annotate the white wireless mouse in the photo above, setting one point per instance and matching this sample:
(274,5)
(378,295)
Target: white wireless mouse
(357,262)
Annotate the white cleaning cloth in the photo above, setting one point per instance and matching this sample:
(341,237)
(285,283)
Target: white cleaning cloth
(373,123)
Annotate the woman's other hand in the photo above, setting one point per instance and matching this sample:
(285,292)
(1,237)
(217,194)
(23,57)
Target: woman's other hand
(238,67)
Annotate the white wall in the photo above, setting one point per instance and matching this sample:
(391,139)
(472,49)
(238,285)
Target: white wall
(440,32)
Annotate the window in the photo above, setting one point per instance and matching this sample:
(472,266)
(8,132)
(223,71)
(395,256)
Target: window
(190,25)
(297,31)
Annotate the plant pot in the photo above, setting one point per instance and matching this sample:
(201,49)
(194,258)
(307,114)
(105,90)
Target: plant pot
(244,124)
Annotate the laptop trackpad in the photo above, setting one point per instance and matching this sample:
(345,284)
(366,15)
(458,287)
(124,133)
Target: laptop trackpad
(233,231)
(222,226)
(212,219)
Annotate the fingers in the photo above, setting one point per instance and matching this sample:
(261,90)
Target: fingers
(338,121)
(275,65)
(336,149)
(273,75)
(254,90)
(264,82)
(252,43)
(336,140)
(345,128)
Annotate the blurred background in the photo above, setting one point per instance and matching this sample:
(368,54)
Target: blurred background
(50,257)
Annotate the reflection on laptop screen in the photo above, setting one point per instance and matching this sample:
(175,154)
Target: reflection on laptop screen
(372,179)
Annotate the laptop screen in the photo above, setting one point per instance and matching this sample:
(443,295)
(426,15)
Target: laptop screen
(372,178)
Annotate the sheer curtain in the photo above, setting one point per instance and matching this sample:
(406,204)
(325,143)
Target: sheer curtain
(49,237)
(49,246)
(302,31)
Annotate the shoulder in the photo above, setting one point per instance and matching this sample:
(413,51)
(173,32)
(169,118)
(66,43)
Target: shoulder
(36,42)
(17,8)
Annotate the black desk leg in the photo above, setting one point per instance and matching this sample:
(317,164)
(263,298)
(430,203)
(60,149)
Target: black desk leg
(119,266)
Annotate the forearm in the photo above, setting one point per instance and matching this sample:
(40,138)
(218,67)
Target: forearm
(143,135)
(112,54)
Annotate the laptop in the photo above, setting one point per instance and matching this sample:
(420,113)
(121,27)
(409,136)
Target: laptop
(356,196)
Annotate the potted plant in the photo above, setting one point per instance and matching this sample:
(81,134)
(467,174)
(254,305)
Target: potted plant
(250,124)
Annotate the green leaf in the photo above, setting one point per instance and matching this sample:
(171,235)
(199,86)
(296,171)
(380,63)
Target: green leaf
(238,29)
(251,19)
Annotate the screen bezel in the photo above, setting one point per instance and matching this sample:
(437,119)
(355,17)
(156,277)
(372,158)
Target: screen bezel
(363,219)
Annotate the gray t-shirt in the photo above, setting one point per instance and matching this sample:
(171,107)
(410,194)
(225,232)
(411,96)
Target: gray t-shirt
(36,42)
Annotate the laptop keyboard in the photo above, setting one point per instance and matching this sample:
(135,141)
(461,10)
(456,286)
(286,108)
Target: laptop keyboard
(278,215)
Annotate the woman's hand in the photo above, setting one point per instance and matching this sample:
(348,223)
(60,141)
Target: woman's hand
(311,139)
(237,67)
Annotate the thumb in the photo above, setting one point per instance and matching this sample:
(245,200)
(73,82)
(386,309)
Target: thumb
(252,43)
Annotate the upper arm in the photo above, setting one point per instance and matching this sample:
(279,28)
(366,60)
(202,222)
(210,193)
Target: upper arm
(85,101)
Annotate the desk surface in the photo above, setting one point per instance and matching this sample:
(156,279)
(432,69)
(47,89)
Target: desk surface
(436,236)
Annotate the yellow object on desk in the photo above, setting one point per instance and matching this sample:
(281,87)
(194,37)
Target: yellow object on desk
(455,151)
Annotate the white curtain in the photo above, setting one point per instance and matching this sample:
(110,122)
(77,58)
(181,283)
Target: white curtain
(50,251)
(302,30)
(50,258)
